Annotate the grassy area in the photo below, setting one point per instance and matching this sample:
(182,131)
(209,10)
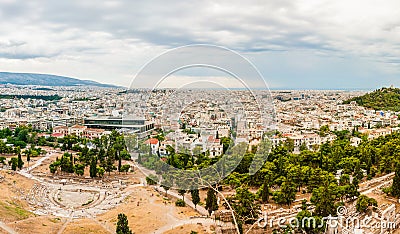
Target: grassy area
(12,212)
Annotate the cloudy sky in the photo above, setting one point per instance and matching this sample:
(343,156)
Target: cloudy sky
(295,44)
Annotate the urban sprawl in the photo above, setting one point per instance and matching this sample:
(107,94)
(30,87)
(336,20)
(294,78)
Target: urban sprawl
(85,124)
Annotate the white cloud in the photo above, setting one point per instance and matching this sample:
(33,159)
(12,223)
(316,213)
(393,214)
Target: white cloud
(114,38)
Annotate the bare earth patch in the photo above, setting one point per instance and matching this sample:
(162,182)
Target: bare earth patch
(40,224)
(147,211)
(13,187)
(84,226)
(185,229)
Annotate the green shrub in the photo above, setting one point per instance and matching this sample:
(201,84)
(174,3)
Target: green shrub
(180,203)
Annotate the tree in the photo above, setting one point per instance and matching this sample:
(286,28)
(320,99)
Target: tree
(93,167)
(79,169)
(180,203)
(289,144)
(22,135)
(197,150)
(101,155)
(28,154)
(122,225)
(151,179)
(295,175)
(364,202)
(323,130)
(182,193)
(226,143)
(286,195)
(66,164)
(119,145)
(324,198)
(100,171)
(396,182)
(264,192)
(167,183)
(170,150)
(211,201)
(303,147)
(125,168)
(344,180)
(13,163)
(109,165)
(20,162)
(54,166)
(195,197)
(125,155)
(243,202)
(166,188)
(309,223)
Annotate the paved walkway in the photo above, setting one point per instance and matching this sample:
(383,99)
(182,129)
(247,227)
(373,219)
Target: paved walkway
(25,171)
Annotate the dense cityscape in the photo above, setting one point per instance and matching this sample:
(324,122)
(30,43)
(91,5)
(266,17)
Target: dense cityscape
(76,154)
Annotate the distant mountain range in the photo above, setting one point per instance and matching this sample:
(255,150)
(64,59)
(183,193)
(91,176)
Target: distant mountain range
(46,80)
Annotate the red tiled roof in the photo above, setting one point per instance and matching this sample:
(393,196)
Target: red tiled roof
(152,141)
(57,135)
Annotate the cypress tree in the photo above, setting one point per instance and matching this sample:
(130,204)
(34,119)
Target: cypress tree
(195,197)
(265,192)
(211,201)
(122,225)
(20,162)
(93,167)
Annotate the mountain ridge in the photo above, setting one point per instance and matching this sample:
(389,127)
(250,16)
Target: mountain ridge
(47,80)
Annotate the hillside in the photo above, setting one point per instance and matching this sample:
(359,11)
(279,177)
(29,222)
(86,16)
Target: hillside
(45,80)
(380,99)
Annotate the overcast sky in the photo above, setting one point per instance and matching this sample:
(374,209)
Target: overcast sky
(295,44)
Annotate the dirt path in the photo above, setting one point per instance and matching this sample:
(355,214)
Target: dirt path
(188,202)
(99,223)
(201,210)
(170,226)
(174,221)
(7,228)
(66,223)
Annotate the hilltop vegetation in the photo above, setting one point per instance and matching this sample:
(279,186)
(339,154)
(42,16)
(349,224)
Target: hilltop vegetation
(380,99)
